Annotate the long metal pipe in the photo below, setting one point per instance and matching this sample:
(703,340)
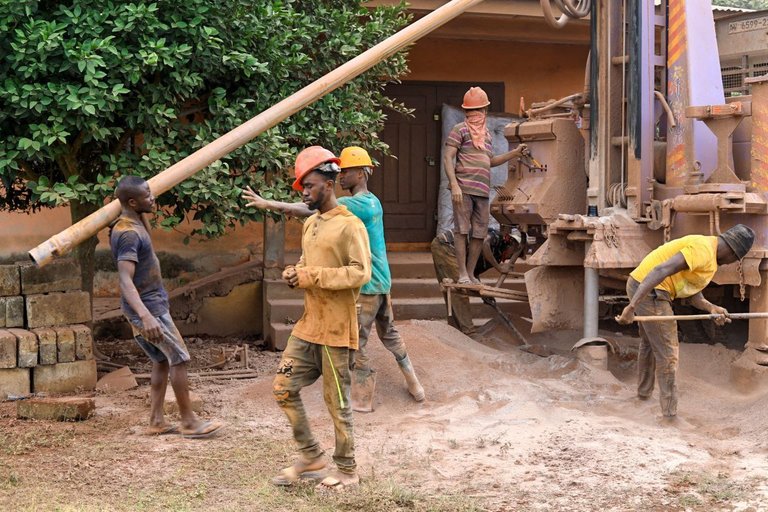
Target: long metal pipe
(68,239)
(703,316)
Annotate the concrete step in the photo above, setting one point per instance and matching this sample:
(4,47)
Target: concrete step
(289,311)
(411,265)
(433,308)
(285,310)
(279,332)
(279,289)
(412,287)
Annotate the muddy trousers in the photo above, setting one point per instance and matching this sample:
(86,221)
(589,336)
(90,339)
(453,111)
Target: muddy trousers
(659,350)
(377,309)
(444,258)
(301,365)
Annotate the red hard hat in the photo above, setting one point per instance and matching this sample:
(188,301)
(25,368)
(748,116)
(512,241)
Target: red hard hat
(475,97)
(308,160)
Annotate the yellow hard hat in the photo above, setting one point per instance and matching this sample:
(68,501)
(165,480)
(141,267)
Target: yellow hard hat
(354,156)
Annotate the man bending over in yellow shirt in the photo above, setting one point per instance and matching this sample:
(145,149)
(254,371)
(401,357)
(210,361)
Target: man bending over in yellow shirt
(678,269)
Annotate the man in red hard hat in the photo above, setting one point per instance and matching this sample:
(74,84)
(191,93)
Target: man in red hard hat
(468,158)
(375,302)
(334,264)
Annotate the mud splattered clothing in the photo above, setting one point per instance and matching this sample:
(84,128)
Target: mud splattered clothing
(700,253)
(367,207)
(473,216)
(335,262)
(130,241)
(473,165)
(659,347)
(659,350)
(377,309)
(444,259)
(374,303)
(171,348)
(301,365)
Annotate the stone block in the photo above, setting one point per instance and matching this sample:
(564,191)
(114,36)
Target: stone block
(8,353)
(12,311)
(119,380)
(26,346)
(66,408)
(46,345)
(64,377)
(65,344)
(59,308)
(9,280)
(57,276)
(14,382)
(170,406)
(83,342)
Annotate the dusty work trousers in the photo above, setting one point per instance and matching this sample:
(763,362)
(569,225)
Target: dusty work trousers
(659,349)
(377,309)
(301,365)
(444,258)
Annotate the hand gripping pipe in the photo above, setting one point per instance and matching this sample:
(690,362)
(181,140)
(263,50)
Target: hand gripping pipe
(74,235)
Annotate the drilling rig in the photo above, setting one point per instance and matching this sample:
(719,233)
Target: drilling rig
(643,154)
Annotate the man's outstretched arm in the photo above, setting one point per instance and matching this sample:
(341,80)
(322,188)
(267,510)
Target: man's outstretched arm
(295,209)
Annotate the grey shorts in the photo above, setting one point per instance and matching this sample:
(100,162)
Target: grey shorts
(472,218)
(171,348)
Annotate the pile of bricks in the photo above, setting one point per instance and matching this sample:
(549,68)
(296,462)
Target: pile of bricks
(43,345)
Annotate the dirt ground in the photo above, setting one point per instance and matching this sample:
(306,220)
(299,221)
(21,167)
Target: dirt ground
(502,430)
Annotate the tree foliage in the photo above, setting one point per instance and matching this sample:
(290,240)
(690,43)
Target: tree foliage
(93,89)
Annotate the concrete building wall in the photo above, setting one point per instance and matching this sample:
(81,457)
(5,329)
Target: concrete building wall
(21,232)
(535,71)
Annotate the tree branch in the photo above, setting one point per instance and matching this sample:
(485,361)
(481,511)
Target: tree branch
(78,143)
(29,174)
(120,143)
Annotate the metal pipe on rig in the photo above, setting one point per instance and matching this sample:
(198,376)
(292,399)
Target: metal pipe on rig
(591,299)
(68,239)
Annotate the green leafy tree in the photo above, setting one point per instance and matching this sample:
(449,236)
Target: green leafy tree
(94,89)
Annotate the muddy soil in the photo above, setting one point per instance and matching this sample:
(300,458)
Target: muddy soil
(502,430)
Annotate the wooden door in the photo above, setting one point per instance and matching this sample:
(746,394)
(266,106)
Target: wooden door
(407,183)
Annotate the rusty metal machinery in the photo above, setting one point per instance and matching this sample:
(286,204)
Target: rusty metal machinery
(658,136)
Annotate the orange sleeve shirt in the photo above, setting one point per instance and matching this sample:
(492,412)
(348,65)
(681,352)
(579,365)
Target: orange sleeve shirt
(335,262)
(700,253)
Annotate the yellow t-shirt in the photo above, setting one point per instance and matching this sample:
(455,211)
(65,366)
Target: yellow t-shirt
(700,253)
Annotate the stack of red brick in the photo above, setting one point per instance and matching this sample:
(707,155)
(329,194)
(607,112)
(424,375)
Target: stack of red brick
(43,345)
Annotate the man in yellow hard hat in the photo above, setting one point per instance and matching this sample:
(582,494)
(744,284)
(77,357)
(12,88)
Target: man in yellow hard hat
(335,262)
(467,159)
(374,303)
